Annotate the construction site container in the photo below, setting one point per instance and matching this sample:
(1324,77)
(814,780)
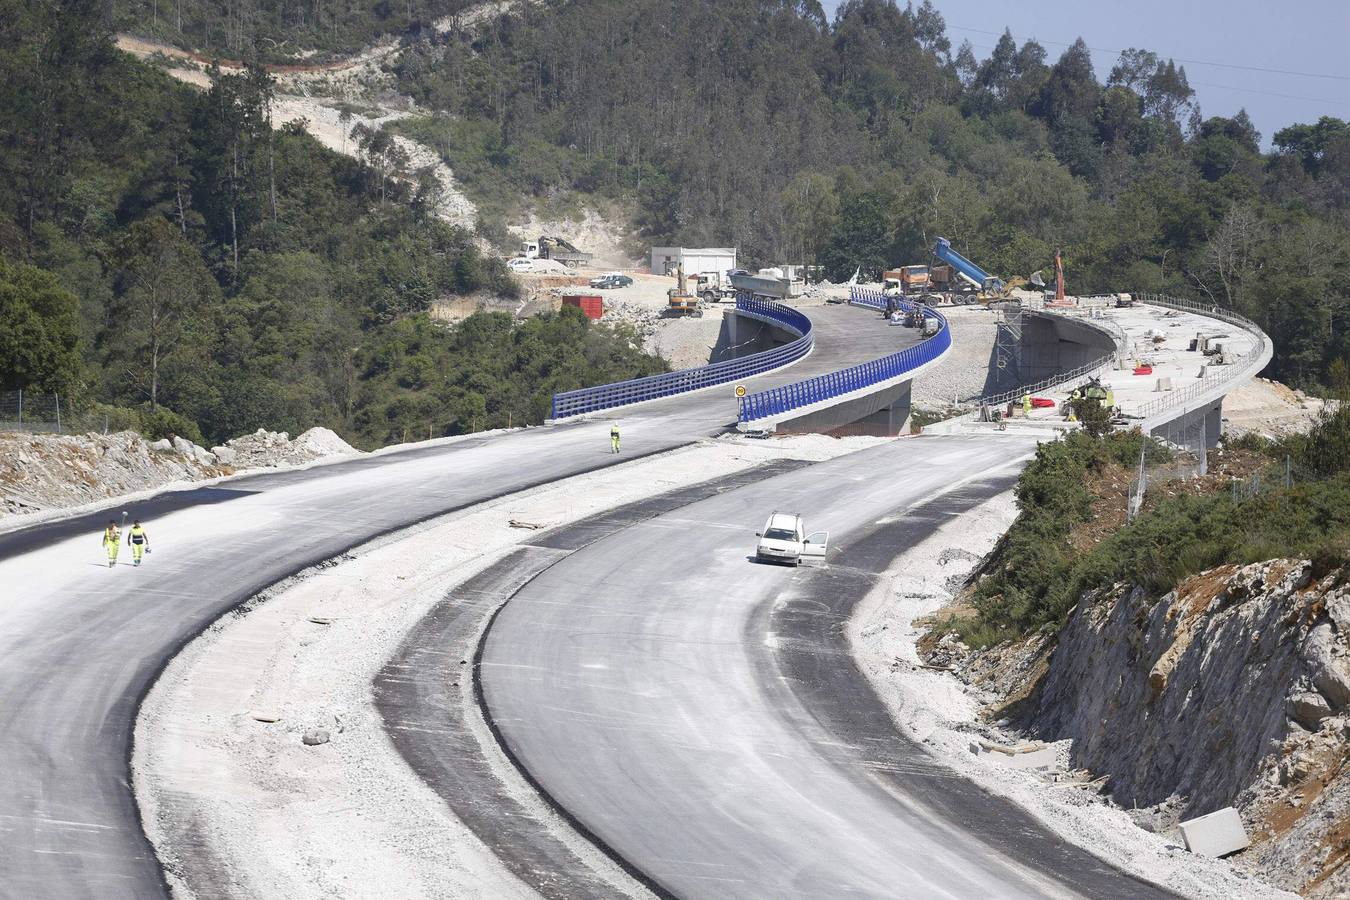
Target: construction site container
(591,305)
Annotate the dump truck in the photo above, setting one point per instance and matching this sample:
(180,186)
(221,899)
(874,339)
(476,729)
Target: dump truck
(556,249)
(714,286)
(906,281)
(769,284)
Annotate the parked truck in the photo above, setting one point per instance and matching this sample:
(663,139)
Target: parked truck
(906,281)
(770,284)
(714,286)
(556,249)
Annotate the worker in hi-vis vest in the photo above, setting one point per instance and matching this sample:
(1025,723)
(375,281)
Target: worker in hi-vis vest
(112,542)
(1026,404)
(614,438)
(138,540)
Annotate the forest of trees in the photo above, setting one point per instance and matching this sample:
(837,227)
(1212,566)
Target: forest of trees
(241,275)
(857,142)
(166,250)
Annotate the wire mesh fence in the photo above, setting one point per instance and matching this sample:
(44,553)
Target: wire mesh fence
(1181,451)
(46,412)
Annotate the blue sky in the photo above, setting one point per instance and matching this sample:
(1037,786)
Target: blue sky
(1307,38)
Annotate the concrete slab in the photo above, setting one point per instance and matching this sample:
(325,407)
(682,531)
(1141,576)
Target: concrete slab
(1217,834)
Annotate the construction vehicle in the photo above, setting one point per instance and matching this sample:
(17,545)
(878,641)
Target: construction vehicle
(966,270)
(556,249)
(770,284)
(906,281)
(714,286)
(680,300)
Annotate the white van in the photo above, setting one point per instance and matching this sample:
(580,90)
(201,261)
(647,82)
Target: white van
(784,540)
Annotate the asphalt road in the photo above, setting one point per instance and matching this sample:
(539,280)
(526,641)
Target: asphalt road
(642,683)
(80,644)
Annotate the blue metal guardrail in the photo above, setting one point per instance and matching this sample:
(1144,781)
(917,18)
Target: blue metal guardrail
(776,401)
(621,393)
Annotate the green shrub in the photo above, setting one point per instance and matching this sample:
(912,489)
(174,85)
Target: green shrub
(159,423)
(152,424)
(1036,577)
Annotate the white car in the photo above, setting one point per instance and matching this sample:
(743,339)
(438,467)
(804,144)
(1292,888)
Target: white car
(784,540)
(520,264)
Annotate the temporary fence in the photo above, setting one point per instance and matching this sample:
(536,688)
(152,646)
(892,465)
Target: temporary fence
(1280,476)
(1187,440)
(779,400)
(49,412)
(1190,462)
(652,387)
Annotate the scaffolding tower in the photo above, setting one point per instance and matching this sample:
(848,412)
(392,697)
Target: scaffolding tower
(1008,344)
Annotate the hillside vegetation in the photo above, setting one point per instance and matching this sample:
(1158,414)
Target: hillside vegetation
(168,251)
(850,143)
(1038,572)
(857,142)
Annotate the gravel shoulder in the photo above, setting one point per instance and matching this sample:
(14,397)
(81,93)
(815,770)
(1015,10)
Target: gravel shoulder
(240,807)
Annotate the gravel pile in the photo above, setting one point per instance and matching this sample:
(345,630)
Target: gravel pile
(966,370)
(268,449)
(42,472)
(55,471)
(1270,409)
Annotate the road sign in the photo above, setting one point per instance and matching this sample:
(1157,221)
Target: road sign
(740,390)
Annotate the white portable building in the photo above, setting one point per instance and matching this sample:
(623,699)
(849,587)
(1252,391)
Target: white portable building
(695,261)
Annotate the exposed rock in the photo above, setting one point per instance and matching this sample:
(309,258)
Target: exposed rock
(184,447)
(52,471)
(1325,657)
(1309,709)
(315,736)
(1229,691)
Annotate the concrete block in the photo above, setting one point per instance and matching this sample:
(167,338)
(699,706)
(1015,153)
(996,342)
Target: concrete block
(1044,758)
(1025,757)
(1164,383)
(1217,834)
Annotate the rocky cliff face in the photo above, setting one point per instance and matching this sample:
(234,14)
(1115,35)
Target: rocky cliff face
(1232,690)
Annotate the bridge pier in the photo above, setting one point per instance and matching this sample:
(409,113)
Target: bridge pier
(1203,424)
(881,414)
(742,336)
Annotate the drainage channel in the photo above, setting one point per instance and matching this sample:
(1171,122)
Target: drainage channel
(430,700)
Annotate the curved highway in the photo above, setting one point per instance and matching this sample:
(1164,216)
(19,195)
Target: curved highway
(652,683)
(81,644)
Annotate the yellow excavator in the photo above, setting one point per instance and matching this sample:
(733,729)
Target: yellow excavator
(680,300)
(1003,291)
